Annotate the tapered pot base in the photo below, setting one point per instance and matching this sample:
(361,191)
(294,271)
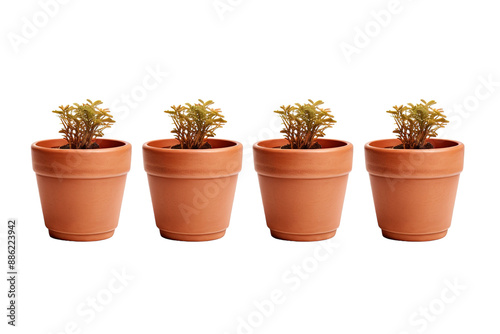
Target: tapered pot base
(192,237)
(81,237)
(414,237)
(302,237)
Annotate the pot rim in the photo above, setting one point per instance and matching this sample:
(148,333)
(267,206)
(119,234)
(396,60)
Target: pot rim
(447,161)
(124,146)
(192,163)
(303,163)
(81,163)
(346,145)
(457,146)
(235,146)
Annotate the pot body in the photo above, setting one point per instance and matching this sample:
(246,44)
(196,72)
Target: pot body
(303,190)
(80,190)
(192,190)
(414,190)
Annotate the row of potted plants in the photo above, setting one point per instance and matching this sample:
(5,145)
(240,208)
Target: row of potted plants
(302,177)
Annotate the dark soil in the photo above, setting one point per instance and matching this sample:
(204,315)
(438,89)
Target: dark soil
(205,146)
(425,147)
(66,147)
(316,145)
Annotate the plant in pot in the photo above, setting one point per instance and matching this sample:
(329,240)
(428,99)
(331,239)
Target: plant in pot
(414,178)
(192,177)
(81,177)
(303,177)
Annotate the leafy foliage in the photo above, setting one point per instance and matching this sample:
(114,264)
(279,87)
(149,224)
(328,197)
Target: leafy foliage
(417,123)
(304,124)
(83,123)
(194,123)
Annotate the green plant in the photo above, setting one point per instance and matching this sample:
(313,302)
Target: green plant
(304,124)
(83,123)
(416,123)
(194,123)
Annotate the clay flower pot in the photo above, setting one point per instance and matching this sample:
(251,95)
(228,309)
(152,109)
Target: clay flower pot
(303,189)
(192,190)
(414,190)
(81,190)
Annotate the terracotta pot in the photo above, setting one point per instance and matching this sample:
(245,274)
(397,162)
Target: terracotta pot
(414,190)
(81,190)
(303,190)
(192,190)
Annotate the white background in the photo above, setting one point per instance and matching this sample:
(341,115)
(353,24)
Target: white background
(250,59)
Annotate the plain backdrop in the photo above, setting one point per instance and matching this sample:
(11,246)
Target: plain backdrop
(250,57)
